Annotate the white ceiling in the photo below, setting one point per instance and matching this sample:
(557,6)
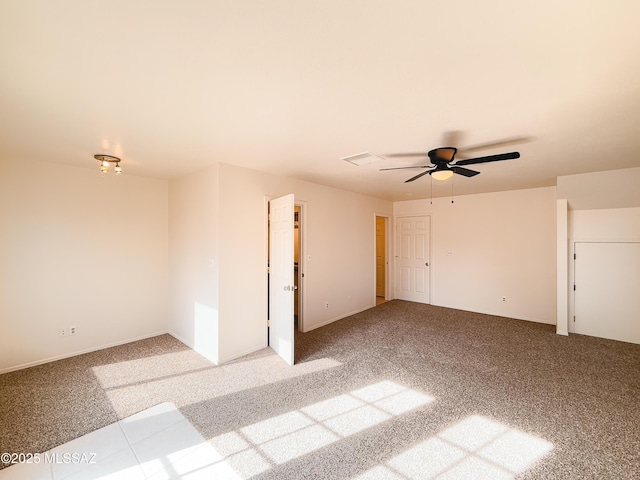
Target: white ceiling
(292,86)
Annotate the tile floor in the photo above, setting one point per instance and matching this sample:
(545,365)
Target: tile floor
(155,444)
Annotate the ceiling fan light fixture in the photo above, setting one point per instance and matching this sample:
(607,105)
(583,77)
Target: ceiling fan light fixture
(441,174)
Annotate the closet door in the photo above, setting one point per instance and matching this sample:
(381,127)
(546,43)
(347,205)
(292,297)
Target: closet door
(412,259)
(607,290)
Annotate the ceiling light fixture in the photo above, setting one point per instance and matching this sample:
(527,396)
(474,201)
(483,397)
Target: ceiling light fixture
(105,160)
(442,174)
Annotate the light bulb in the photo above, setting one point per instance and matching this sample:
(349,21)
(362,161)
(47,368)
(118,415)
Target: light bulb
(442,174)
(105,163)
(118,169)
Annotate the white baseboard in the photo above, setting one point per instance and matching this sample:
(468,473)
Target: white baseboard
(498,314)
(242,354)
(180,339)
(192,347)
(79,352)
(335,319)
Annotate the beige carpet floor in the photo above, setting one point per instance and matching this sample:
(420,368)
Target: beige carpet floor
(483,391)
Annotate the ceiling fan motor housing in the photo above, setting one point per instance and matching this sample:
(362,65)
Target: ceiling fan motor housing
(443,155)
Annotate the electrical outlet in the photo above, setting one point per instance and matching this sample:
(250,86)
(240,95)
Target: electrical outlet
(62,332)
(504,299)
(326,304)
(73,330)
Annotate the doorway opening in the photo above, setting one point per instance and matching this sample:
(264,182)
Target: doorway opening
(298,274)
(381,259)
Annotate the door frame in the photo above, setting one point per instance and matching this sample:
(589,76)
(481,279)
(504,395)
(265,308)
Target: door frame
(387,247)
(301,262)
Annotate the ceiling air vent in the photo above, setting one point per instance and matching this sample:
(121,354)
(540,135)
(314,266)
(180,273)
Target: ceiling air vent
(363,158)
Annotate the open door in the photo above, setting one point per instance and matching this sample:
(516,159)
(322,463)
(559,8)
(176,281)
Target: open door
(281,281)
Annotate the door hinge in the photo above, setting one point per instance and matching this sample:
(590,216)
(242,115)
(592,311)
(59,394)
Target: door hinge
(268,323)
(574,256)
(574,287)
(574,318)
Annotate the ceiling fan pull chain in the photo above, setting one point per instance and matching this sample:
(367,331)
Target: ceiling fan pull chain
(430,190)
(451,189)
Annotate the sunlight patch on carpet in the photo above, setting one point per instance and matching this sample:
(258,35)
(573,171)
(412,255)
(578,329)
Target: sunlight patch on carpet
(256,448)
(476,447)
(187,378)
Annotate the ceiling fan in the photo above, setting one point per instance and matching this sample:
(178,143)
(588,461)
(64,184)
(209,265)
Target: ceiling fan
(443,167)
(443,164)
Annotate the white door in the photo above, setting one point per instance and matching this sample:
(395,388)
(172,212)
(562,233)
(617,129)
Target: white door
(281,284)
(607,290)
(412,259)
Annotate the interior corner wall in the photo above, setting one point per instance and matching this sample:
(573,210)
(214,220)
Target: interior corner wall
(609,189)
(338,245)
(605,224)
(194,261)
(493,245)
(603,206)
(78,248)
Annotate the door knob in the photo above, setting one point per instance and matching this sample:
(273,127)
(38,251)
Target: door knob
(427,264)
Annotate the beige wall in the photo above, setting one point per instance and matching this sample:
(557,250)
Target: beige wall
(610,189)
(605,224)
(339,238)
(218,256)
(125,257)
(602,206)
(487,246)
(100,253)
(193,260)
(78,248)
